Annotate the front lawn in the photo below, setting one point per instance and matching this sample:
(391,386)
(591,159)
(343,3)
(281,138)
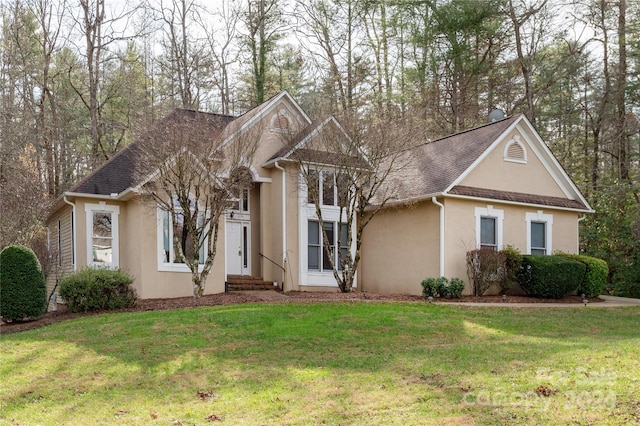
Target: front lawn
(327,363)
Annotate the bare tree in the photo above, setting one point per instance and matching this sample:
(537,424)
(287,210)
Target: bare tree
(194,167)
(353,174)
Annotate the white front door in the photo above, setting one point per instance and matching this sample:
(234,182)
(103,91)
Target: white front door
(238,248)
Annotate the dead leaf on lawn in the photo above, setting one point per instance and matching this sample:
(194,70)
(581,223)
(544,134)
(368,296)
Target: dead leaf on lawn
(543,390)
(176,423)
(154,416)
(213,418)
(206,395)
(121,413)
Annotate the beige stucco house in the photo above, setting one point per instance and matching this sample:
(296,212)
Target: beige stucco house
(494,185)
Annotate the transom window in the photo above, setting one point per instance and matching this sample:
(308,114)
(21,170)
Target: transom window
(318,258)
(242,202)
(325,186)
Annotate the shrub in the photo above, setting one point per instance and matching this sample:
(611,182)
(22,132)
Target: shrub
(550,277)
(513,260)
(595,277)
(485,268)
(455,288)
(429,287)
(23,291)
(97,289)
(442,287)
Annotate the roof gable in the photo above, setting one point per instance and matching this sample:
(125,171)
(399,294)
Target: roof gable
(122,171)
(440,167)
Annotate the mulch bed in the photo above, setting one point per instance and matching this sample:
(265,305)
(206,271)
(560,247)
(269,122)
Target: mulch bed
(294,297)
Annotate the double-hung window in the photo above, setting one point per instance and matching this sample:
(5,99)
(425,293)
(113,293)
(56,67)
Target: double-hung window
(539,233)
(318,257)
(489,227)
(169,257)
(102,234)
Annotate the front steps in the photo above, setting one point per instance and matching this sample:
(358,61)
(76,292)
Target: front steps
(246,283)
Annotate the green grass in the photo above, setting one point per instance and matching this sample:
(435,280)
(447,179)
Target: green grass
(327,363)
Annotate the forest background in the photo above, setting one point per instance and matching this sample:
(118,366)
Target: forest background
(80,78)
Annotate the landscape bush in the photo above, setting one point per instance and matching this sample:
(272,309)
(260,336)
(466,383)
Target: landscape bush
(595,277)
(513,260)
(430,287)
(485,268)
(454,288)
(23,291)
(433,287)
(97,289)
(550,277)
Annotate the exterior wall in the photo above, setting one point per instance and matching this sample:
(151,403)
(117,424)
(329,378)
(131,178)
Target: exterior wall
(143,258)
(400,248)
(531,178)
(460,232)
(62,262)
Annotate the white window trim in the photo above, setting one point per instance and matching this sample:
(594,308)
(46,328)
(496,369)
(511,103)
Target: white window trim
(539,216)
(169,267)
(103,207)
(515,141)
(307,212)
(498,215)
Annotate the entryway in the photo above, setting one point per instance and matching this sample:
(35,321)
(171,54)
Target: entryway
(238,247)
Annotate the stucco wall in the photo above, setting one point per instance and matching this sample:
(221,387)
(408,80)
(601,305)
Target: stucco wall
(496,173)
(460,231)
(400,248)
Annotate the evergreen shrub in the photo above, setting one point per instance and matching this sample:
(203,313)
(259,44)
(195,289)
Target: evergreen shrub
(23,291)
(97,289)
(550,277)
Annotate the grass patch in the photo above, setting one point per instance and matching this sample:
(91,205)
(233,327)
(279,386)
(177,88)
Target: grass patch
(327,363)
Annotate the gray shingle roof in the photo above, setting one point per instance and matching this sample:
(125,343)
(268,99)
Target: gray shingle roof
(121,171)
(432,167)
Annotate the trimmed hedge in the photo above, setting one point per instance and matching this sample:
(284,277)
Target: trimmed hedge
(550,277)
(97,289)
(595,278)
(23,291)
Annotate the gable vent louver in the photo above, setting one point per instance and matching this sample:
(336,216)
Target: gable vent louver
(515,151)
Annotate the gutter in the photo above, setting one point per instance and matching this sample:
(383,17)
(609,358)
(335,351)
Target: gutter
(284,218)
(435,201)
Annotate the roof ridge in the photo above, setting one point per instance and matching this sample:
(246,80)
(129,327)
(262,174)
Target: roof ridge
(462,132)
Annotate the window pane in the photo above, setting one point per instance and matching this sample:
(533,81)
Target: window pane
(342,187)
(538,236)
(343,235)
(313,261)
(488,231)
(313,232)
(245,200)
(328,186)
(313,186)
(102,250)
(102,224)
(166,240)
(329,229)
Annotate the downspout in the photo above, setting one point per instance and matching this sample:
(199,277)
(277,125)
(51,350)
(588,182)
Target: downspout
(580,219)
(435,201)
(73,234)
(284,219)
